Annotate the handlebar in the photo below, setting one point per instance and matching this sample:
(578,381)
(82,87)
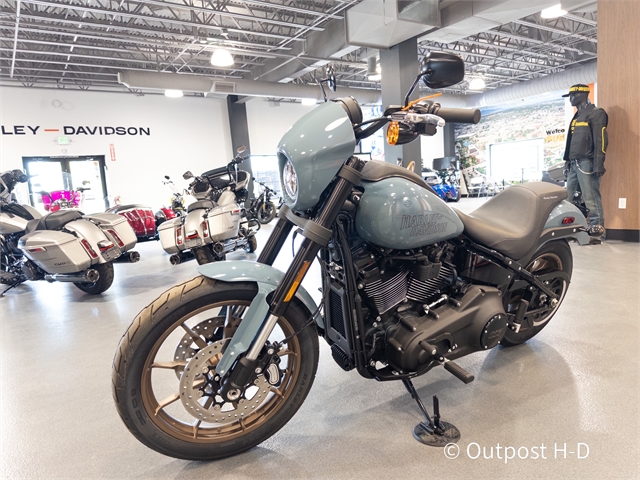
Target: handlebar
(459,115)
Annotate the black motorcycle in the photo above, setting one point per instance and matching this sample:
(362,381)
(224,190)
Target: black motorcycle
(262,208)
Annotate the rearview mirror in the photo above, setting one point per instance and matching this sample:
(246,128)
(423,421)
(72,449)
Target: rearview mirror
(440,69)
(187,175)
(167,177)
(331,79)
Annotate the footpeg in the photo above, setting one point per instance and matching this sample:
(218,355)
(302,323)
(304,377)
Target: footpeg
(458,372)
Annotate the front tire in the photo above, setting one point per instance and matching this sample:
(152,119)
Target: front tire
(552,256)
(266,212)
(155,353)
(104,280)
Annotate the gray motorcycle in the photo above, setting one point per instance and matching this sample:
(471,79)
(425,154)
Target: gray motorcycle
(220,363)
(64,246)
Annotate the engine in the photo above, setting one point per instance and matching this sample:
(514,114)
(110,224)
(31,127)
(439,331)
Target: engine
(415,309)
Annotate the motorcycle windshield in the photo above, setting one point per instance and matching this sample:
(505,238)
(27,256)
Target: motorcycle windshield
(317,145)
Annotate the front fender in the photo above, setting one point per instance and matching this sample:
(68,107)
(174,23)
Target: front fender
(268,278)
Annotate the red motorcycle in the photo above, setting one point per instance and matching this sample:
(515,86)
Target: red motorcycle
(140,218)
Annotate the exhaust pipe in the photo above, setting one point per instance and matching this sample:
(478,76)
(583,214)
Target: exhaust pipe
(130,257)
(88,276)
(180,257)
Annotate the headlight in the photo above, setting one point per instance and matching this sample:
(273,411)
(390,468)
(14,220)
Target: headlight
(290,180)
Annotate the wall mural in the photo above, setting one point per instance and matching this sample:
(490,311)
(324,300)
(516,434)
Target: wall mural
(500,125)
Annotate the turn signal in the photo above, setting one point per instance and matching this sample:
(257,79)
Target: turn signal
(568,220)
(205,229)
(179,236)
(393,132)
(116,238)
(92,253)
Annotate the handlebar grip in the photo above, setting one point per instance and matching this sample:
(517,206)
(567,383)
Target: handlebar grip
(459,115)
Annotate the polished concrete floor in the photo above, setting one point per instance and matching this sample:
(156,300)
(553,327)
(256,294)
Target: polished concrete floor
(564,405)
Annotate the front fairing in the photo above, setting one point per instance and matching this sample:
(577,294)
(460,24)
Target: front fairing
(317,145)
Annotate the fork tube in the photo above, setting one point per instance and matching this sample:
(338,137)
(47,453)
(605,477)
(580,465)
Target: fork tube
(275,242)
(309,249)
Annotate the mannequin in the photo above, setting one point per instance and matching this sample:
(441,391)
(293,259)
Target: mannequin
(585,154)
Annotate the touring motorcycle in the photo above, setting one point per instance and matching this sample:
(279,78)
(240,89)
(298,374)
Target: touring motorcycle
(220,363)
(213,225)
(63,246)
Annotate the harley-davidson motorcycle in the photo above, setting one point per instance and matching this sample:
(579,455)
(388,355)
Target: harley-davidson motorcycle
(213,225)
(218,364)
(63,246)
(262,208)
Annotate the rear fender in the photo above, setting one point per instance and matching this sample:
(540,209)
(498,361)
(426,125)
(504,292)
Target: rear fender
(84,229)
(268,278)
(554,229)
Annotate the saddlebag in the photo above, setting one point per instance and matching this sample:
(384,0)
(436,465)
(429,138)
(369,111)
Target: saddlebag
(167,233)
(110,223)
(224,222)
(55,251)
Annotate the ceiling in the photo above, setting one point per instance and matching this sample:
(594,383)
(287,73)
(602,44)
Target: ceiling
(83,44)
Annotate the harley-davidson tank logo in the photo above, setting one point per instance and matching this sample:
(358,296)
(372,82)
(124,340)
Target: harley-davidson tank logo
(423,224)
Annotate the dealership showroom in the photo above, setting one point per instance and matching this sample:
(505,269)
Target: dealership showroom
(337,239)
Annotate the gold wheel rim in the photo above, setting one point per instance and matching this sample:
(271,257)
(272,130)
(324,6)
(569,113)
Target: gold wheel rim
(196,431)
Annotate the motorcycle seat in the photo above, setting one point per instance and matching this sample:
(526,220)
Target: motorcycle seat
(208,204)
(122,208)
(512,221)
(53,221)
(376,170)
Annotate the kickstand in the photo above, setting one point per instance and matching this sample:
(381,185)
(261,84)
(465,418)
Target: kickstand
(434,432)
(14,285)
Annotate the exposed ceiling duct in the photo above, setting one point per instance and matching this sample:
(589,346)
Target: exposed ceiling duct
(385,23)
(253,88)
(539,86)
(464,18)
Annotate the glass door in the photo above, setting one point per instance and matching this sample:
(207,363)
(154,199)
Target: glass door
(79,180)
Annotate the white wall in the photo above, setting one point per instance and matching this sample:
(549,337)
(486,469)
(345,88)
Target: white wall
(432,147)
(189,133)
(268,123)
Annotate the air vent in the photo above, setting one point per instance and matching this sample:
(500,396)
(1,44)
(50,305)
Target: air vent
(224,87)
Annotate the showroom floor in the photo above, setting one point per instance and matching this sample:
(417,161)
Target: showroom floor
(573,388)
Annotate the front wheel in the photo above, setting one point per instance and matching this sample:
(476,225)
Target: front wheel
(551,258)
(104,280)
(266,212)
(164,380)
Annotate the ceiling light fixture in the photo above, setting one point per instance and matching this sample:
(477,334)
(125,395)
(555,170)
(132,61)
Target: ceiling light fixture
(476,84)
(308,101)
(553,12)
(373,69)
(221,58)
(173,93)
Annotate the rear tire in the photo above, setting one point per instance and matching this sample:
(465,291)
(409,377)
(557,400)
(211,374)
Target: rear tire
(151,404)
(206,255)
(252,244)
(104,281)
(457,197)
(551,256)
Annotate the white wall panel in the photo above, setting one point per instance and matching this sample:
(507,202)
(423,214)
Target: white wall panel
(185,134)
(268,123)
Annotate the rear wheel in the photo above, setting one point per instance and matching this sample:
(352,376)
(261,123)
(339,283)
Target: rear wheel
(252,244)
(553,257)
(104,280)
(207,255)
(164,380)
(456,197)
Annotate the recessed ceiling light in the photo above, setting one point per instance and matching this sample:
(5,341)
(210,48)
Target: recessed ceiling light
(173,93)
(553,12)
(308,101)
(221,58)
